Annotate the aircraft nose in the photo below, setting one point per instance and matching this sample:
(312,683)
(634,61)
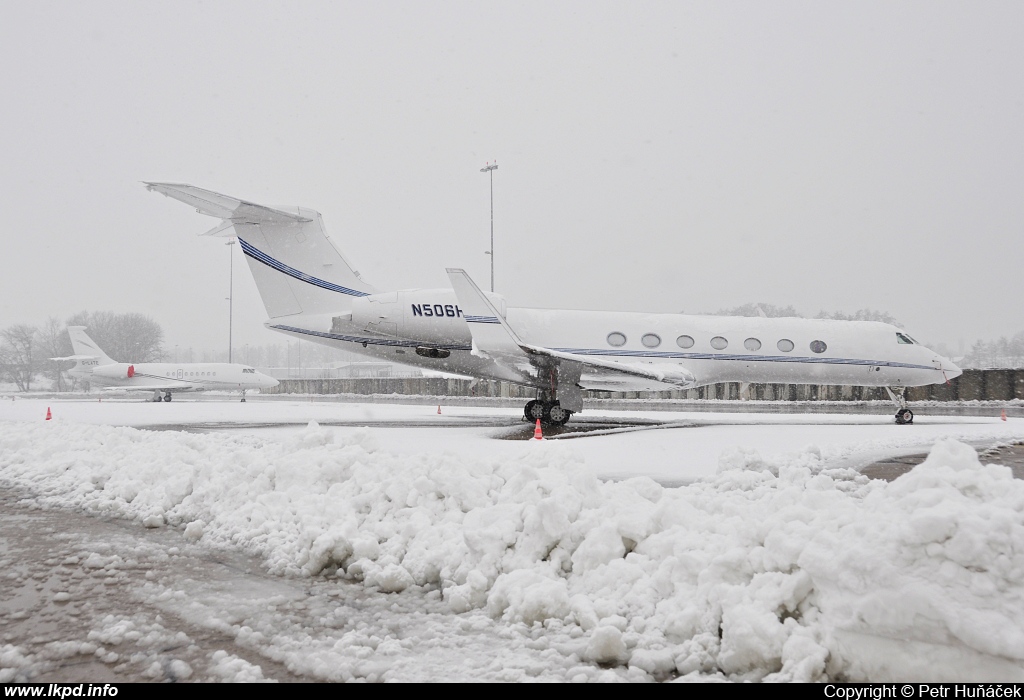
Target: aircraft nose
(269,381)
(947,367)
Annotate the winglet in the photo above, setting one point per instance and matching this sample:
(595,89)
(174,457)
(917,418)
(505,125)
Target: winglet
(491,333)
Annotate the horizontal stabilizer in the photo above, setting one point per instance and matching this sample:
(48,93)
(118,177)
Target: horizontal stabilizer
(238,211)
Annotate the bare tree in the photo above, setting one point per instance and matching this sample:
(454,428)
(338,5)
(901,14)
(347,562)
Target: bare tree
(769,310)
(861,315)
(273,355)
(17,344)
(1002,353)
(53,341)
(129,337)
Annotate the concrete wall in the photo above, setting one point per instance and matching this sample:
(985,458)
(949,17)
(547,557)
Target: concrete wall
(973,384)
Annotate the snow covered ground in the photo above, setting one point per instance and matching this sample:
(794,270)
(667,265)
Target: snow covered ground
(422,547)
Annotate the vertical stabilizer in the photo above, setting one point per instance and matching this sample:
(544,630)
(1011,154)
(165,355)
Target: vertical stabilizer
(295,265)
(84,346)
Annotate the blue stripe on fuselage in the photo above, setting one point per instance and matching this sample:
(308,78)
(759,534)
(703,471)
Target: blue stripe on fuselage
(616,353)
(740,358)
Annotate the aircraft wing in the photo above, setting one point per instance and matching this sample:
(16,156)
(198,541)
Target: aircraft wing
(153,387)
(233,211)
(494,338)
(76,357)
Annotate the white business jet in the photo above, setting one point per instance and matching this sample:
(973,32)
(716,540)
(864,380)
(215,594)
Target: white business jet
(311,291)
(161,378)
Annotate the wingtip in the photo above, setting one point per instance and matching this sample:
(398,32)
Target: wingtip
(155,186)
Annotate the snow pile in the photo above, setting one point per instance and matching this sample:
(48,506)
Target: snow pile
(777,572)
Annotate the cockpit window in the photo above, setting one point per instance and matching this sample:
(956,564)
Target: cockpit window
(904,339)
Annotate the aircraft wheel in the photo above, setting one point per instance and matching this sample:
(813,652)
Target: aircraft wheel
(534,411)
(904,416)
(556,415)
(157,398)
(167,397)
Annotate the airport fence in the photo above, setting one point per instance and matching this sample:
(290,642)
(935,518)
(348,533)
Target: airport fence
(972,385)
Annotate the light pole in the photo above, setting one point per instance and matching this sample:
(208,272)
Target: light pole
(231,291)
(490,169)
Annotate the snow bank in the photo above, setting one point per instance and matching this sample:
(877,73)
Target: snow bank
(787,572)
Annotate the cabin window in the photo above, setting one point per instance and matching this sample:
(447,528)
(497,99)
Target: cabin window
(904,339)
(818,346)
(684,341)
(719,343)
(752,344)
(650,340)
(785,345)
(616,340)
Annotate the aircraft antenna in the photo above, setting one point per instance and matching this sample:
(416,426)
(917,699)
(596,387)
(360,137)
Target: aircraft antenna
(231,293)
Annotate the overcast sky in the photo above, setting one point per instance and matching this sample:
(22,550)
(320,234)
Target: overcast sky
(658,156)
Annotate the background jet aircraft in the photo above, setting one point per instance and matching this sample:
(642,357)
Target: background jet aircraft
(161,378)
(311,291)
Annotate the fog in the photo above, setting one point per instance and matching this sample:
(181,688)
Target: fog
(658,157)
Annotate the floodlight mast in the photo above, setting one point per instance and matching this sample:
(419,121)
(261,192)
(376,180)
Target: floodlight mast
(490,169)
(231,293)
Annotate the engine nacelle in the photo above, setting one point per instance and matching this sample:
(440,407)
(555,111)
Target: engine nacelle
(430,315)
(120,370)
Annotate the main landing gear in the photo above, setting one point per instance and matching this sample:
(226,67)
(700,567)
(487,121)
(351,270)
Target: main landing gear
(904,416)
(548,412)
(157,398)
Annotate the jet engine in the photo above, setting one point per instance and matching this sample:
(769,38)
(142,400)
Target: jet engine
(119,370)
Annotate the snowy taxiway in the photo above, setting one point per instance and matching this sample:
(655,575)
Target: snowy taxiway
(418,546)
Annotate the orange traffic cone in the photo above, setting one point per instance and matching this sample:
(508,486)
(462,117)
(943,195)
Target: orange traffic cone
(438,410)
(537,433)
(1002,415)
(49,416)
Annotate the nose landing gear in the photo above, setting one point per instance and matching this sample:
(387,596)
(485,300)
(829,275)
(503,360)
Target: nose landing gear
(904,416)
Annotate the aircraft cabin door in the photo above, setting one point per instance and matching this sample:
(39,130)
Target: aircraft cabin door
(180,373)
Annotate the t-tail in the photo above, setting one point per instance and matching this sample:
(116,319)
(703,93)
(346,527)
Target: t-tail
(295,265)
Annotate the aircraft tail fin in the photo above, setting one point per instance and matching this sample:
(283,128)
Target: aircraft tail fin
(85,347)
(296,266)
